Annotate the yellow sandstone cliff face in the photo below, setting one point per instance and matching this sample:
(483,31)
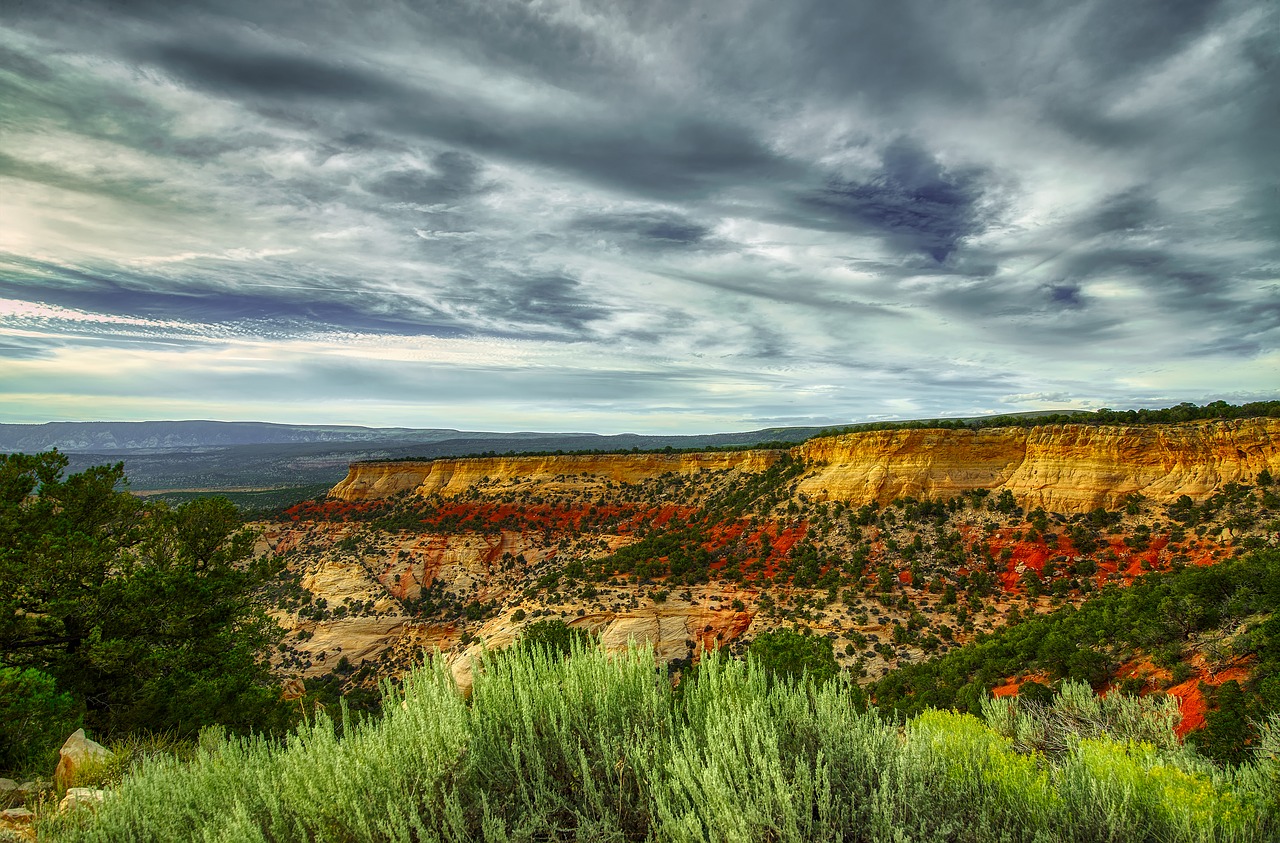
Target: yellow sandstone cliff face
(367,481)
(1064,468)
(885,464)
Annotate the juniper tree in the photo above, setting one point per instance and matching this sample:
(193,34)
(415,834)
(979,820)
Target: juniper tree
(145,614)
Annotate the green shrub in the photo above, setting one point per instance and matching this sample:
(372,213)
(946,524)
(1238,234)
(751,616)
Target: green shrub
(1227,729)
(554,636)
(1035,692)
(790,655)
(35,718)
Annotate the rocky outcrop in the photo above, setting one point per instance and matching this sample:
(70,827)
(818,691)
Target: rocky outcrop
(675,632)
(451,476)
(82,797)
(679,630)
(1064,468)
(77,754)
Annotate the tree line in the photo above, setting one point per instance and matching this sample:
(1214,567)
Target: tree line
(1183,412)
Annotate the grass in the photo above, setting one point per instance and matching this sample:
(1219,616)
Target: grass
(601,747)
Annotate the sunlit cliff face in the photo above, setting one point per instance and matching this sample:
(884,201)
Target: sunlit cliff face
(1063,468)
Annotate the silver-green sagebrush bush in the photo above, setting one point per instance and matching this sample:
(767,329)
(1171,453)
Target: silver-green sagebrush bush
(1076,712)
(602,747)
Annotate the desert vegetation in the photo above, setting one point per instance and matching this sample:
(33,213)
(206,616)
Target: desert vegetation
(599,746)
(980,664)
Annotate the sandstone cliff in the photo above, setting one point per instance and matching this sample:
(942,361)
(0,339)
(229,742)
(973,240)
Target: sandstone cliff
(1064,468)
(372,480)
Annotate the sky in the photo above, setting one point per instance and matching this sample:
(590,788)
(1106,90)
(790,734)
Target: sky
(649,216)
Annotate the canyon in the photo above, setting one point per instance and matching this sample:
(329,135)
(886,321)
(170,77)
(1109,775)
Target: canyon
(893,544)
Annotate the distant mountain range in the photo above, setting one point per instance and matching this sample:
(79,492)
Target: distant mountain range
(110,437)
(162,455)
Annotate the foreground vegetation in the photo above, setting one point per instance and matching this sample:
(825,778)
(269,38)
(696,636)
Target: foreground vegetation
(122,615)
(600,747)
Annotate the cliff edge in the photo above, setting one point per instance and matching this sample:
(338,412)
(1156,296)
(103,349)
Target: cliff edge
(1063,468)
(372,480)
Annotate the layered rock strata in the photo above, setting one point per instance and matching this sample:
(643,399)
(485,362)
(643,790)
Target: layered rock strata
(1064,468)
(372,480)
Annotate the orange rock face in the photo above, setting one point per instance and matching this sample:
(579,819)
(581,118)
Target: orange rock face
(453,476)
(1064,468)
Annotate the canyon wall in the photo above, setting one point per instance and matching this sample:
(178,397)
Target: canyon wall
(373,480)
(1064,468)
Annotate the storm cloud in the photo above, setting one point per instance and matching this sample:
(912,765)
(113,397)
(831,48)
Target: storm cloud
(643,216)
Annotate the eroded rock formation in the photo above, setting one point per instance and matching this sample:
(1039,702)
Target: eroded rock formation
(373,480)
(455,555)
(1064,468)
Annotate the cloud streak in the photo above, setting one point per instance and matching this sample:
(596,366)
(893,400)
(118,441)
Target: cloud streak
(635,216)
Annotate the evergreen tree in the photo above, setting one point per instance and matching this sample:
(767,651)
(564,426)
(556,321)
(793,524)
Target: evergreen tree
(1227,730)
(144,614)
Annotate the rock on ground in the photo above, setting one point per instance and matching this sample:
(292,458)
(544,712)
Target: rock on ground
(81,796)
(76,753)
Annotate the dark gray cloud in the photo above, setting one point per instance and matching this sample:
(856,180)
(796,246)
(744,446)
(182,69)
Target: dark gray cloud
(912,201)
(1066,296)
(1123,213)
(645,229)
(639,213)
(23,66)
(227,70)
(454,176)
(552,301)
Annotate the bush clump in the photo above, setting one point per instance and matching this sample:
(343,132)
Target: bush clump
(34,719)
(599,746)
